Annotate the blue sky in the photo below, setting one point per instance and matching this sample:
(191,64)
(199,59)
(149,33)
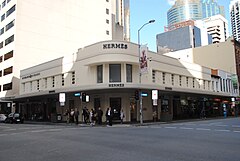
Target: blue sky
(141,11)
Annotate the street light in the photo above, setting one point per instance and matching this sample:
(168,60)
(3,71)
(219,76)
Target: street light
(140,74)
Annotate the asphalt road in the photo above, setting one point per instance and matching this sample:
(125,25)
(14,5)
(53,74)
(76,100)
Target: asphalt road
(209,140)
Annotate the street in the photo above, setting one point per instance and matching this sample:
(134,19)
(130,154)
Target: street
(204,140)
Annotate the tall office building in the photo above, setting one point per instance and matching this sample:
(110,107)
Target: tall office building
(35,31)
(181,36)
(235,18)
(184,10)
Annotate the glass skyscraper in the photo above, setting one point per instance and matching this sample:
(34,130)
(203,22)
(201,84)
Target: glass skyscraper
(211,8)
(184,10)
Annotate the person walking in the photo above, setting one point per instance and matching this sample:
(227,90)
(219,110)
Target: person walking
(84,114)
(72,116)
(67,114)
(92,117)
(109,116)
(99,116)
(76,114)
(122,116)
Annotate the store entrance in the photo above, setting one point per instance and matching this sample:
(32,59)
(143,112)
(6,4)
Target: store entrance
(115,104)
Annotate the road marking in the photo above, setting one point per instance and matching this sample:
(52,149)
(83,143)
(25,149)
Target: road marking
(9,129)
(203,129)
(38,131)
(236,126)
(3,134)
(237,131)
(222,125)
(186,128)
(170,127)
(54,130)
(222,130)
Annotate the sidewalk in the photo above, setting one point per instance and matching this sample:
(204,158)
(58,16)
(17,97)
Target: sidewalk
(122,125)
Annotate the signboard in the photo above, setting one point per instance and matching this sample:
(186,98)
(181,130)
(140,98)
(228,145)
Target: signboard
(154,102)
(144,94)
(87,98)
(61,97)
(234,81)
(154,94)
(77,94)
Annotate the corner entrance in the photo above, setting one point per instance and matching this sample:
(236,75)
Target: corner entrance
(115,104)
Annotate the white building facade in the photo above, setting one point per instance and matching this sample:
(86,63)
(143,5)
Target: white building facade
(217,27)
(108,72)
(33,31)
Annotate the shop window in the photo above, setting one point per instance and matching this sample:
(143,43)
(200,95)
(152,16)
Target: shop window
(129,72)
(115,73)
(8,71)
(7,86)
(9,40)
(165,105)
(8,55)
(99,73)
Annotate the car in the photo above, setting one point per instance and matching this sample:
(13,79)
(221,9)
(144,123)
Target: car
(3,117)
(14,118)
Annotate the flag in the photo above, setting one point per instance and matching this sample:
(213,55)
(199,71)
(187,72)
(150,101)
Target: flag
(143,59)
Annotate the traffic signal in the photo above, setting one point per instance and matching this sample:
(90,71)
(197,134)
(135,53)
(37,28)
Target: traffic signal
(83,97)
(137,94)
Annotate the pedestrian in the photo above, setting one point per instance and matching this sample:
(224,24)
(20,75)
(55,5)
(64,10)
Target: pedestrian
(109,116)
(122,116)
(72,116)
(99,116)
(92,117)
(84,114)
(76,114)
(67,114)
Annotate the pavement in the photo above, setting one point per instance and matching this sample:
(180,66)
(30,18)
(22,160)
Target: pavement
(120,125)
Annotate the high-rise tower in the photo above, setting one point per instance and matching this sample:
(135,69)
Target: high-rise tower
(184,10)
(235,18)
